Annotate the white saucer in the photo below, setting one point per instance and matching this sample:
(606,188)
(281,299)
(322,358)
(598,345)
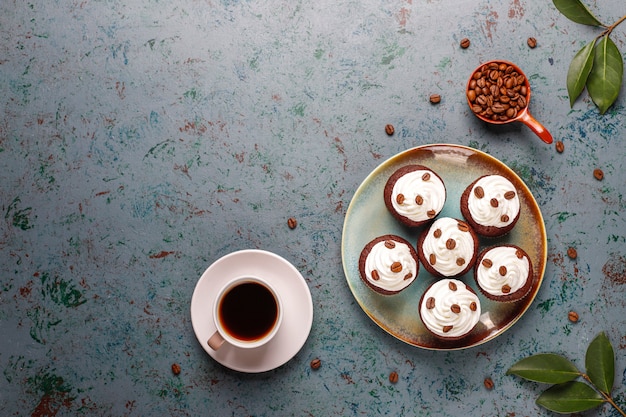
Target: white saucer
(295,296)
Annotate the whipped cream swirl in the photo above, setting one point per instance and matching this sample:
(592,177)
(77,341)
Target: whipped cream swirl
(503,270)
(395,267)
(449,308)
(493,201)
(448,248)
(422,195)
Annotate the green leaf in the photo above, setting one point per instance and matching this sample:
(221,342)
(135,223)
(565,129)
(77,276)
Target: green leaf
(605,78)
(548,368)
(600,363)
(576,11)
(578,72)
(571,397)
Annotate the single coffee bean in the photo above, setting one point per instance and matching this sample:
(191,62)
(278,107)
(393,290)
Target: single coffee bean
(532,42)
(435,98)
(393,377)
(465,43)
(316,363)
(389,129)
(560,147)
(396,267)
(598,174)
(292,223)
(572,253)
(488,382)
(572,316)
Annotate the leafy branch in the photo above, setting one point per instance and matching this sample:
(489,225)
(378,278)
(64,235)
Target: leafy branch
(598,65)
(567,395)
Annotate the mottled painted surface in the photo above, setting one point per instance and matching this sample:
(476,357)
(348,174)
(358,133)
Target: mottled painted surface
(141,140)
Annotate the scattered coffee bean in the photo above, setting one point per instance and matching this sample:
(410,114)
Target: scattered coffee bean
(488,383)
(465,43)
(393,377)
(572,316)
(598,174)
(316,363)
(292,223)
(175,369)
(435,98)
(571,252)
(389,129)
(559,146)
(497,91)
(532,42)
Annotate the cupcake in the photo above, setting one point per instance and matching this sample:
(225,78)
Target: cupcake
(449,309)
(491,205)
(448,248)
(415,195)
(388,264)
(504,273)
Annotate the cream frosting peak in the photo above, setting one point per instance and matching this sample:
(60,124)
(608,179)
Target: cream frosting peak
(493,201)
(395,267)
(449,308)
(418,195)
(448,248)
(503,270)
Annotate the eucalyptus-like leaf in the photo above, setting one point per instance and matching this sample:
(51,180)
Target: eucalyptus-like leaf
(605,78)
(578,72)
(570,397)
(577,12)
(548,368)
(600,363)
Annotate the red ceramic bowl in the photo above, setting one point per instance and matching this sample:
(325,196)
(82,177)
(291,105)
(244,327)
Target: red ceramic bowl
(486,111)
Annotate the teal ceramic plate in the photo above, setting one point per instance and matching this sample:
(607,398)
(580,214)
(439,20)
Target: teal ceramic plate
(367,218)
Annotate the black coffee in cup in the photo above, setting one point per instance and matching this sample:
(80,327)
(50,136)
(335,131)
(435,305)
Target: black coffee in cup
(248,311)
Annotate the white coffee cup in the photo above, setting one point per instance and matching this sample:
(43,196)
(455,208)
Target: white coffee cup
(247,313)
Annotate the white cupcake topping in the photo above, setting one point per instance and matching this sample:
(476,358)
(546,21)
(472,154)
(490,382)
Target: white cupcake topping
(503,270)
(493,201)
(448,246)
(418,195)
(449,308)
(390,266)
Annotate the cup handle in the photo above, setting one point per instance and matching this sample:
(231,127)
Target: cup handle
(536,127)
(216,341)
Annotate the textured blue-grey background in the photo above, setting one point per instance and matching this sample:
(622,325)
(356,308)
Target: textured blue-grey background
(141,140)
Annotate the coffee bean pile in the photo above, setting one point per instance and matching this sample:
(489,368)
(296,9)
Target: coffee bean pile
(497,91)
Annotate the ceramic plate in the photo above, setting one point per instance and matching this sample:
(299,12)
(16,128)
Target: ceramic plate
(294,294)
(367,218)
